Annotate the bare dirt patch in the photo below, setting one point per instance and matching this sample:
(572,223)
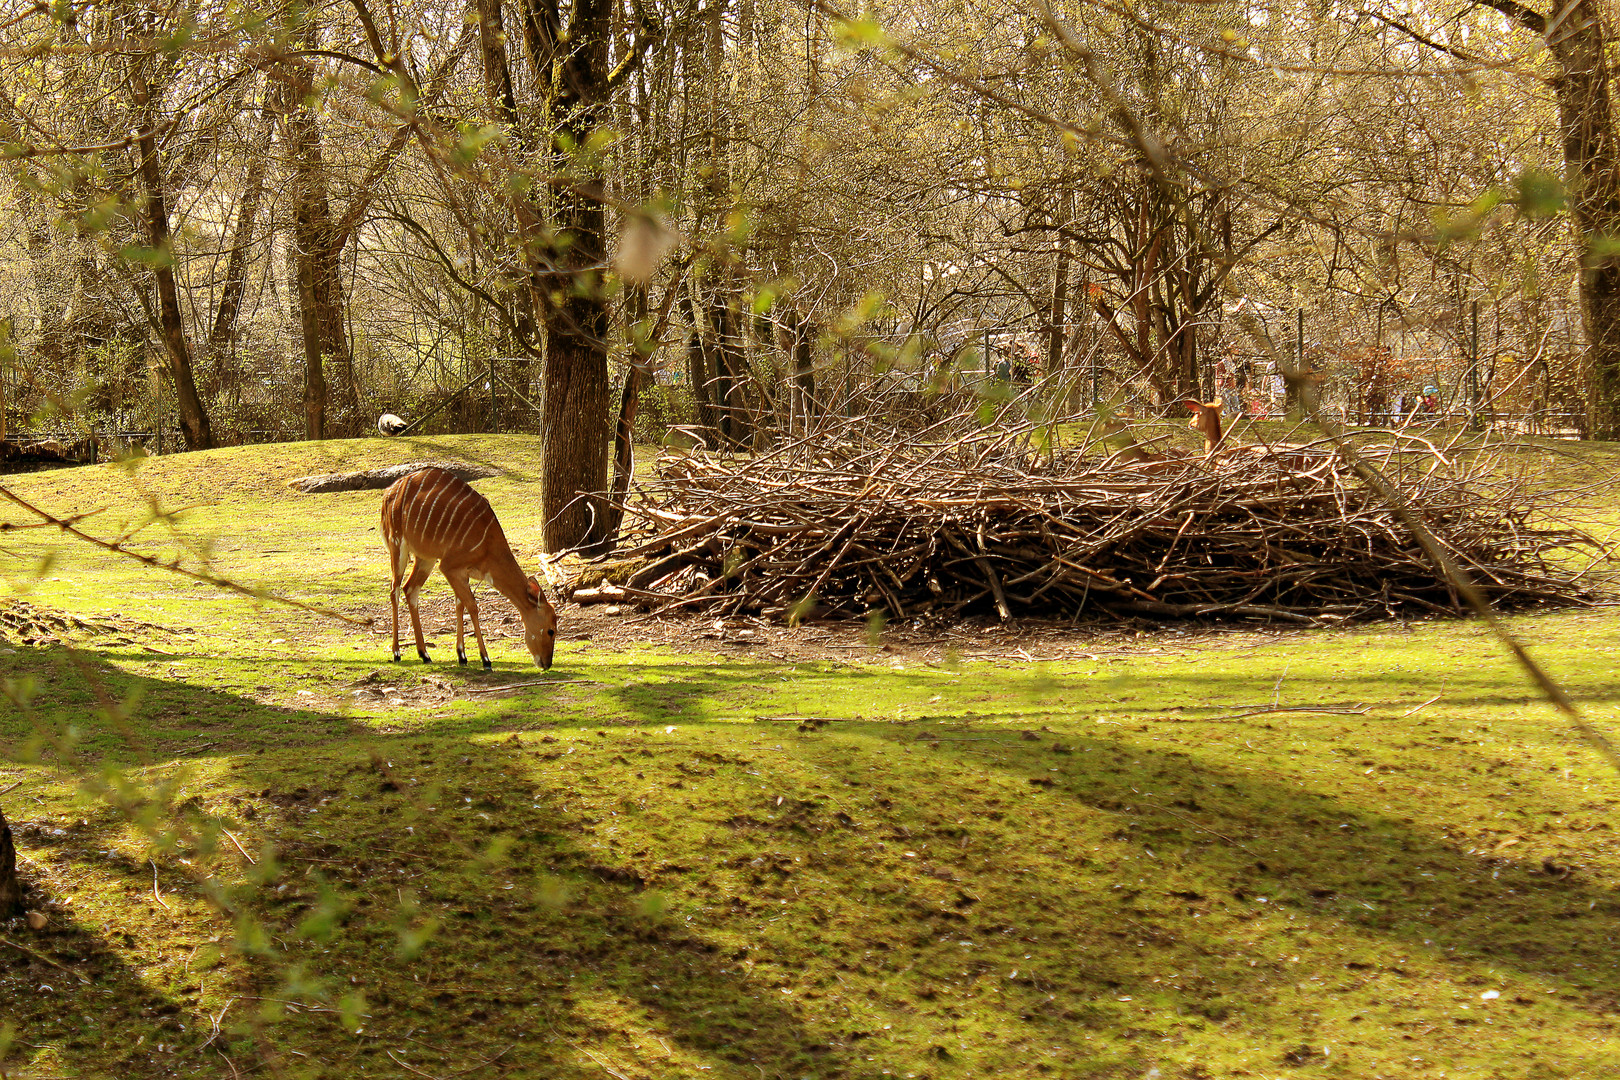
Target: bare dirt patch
(614,628)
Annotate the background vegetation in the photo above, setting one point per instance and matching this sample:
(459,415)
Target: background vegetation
(253,223)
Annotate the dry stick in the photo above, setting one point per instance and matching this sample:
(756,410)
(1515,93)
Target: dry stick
(481,1064)
(155,894)
(158,564)
(1425,705)
(530,682)
(798,719)
(1323,710)
(44,959)
(251,860)
(407,1066)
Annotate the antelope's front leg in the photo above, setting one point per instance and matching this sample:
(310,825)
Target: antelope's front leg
(396,566)
(465,599)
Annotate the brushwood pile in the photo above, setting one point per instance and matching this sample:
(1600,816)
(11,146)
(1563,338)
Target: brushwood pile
(842,528)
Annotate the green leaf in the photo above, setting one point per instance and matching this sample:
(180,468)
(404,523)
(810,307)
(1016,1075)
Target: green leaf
(150,257)
(352,1009)
(856,34)
(471,140)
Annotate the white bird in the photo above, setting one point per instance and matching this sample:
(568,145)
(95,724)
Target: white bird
(389,424)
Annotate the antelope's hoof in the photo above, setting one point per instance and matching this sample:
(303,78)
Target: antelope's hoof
(424,657)
(488,666)
(461,658)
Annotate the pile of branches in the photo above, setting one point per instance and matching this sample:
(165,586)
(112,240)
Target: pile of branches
(842,527)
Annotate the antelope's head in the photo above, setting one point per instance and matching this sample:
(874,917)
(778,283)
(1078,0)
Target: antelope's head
(1207,419)
(539,624)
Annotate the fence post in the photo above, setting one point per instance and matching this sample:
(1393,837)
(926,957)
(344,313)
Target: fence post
(1473,371)
(494,409)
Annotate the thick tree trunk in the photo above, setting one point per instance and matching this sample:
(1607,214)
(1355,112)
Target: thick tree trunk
(1058,313)
(314,373)
(193,416)
(1578,39)
(801,350)
(573,418)
(497,72)
(727,366)
(318,248)
(1592,151)
(574,399)
(247,216)
(572,297)
(10,887)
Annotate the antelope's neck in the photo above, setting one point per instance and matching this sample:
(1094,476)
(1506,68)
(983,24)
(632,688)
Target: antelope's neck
(501,569)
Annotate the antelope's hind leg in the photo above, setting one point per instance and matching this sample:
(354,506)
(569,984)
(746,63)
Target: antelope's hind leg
(413,585)
(461,633)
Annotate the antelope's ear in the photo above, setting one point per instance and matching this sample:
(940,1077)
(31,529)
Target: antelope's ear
(1194,406)
(535,595)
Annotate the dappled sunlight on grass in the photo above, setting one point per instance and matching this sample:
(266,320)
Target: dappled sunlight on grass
(654,861)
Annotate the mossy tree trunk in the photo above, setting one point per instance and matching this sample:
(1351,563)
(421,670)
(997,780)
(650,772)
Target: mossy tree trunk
(10,887)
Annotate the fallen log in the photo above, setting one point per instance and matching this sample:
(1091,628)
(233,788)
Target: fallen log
(369,479)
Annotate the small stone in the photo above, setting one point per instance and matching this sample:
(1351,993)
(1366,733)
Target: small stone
(36,920)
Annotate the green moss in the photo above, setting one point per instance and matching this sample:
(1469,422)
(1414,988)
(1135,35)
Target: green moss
(618,869)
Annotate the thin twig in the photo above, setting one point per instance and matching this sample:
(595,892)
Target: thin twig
(44,959)
(799,719)
(408,1066)
(520,685)
(155,894)
(482,1064)
(251,860)
(1425,705)
(1323,710)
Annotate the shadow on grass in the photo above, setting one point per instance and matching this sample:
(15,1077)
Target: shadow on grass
(357,827)
(1248,838)
(769,909)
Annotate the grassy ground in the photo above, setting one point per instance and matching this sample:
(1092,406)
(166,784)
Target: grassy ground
(1091,867)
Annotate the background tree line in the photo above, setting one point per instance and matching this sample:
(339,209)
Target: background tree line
(278,221)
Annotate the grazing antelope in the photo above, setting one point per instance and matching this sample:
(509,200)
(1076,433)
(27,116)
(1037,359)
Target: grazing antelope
(1207,419)
(437,519)
(389,424)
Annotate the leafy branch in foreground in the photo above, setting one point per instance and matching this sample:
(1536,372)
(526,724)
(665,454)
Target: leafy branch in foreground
(1444,565)
(70,526)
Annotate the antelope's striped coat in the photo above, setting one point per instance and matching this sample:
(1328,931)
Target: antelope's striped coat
(431,514)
